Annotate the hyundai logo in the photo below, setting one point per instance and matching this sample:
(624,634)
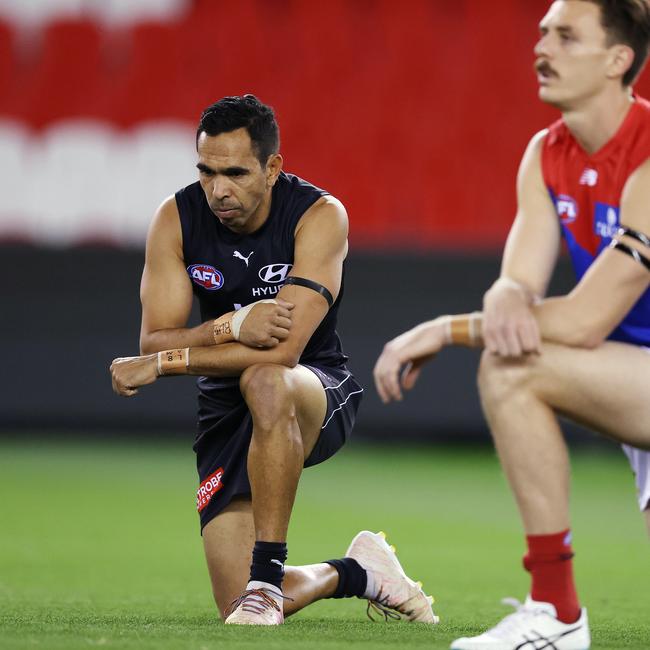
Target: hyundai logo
(274,273)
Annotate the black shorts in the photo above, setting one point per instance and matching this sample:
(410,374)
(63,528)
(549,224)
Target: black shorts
(225,434)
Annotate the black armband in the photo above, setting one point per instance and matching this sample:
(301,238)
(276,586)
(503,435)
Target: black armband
(634,234)
(310,284)
(632,252)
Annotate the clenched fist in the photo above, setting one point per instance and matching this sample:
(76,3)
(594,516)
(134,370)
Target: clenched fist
(129,373)
(266,324)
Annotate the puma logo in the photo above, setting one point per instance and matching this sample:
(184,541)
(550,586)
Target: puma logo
(239,256)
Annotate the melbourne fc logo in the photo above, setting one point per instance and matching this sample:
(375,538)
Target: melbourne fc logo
(206,276)
(567,208)
(274,273)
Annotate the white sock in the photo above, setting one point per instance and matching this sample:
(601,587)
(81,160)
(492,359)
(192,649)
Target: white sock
(270,589)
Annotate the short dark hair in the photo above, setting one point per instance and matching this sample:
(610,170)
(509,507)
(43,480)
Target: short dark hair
(627,22)
(247,112)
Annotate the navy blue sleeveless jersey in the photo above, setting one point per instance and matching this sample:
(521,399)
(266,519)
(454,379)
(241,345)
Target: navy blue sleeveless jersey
(230,270)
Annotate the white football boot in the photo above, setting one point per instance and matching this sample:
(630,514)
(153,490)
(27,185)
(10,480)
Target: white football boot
(257,606)
(533,625)
(390,590)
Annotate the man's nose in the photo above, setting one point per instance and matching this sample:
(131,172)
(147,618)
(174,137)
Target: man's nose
(220,188)
(542,47)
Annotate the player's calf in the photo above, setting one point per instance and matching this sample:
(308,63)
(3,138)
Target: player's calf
(276,453)
(275,461)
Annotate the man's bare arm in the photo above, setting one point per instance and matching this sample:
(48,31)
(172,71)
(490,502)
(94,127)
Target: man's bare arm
(320,248)
(529,257)
(533,243)
(165,289)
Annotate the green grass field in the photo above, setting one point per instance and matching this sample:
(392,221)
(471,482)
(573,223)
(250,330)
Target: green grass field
(99,547)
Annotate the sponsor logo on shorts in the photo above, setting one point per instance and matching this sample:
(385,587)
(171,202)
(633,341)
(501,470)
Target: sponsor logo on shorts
(206,276)
(208,488)
(567,208)
(274,273)
(605,220)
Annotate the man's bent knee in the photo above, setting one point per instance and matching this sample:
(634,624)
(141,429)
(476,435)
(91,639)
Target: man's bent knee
(267,390)
(262,379)
(499,379)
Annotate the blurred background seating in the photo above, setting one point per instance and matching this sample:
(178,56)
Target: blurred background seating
(414,114)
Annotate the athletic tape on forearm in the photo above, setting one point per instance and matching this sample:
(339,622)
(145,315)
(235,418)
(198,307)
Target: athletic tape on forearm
(222,329)
(240,316)
(464,329)
(173,362)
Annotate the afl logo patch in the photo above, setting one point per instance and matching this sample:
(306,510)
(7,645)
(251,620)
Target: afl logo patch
(206,276)
(274,273)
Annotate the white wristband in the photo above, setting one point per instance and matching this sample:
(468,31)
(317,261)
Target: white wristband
(513,284)
(240,316)
(446,324)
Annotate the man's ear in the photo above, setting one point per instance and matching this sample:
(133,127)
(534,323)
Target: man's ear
(620,61)
(273,169)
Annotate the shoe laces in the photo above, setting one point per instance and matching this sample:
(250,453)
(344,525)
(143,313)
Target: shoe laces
(379,606)
(256,601)
(512,622)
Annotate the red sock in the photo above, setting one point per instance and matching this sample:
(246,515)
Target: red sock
(549,562)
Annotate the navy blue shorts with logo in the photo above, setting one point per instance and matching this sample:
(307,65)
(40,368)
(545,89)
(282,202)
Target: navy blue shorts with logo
(225,429)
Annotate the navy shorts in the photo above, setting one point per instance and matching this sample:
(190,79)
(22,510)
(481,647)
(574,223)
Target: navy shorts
(225,429)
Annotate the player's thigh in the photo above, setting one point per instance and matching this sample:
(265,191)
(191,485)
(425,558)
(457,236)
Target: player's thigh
(300,386)
(228,542)
(606,388)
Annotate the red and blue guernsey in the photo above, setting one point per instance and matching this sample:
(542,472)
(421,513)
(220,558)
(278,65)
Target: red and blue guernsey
(586,191)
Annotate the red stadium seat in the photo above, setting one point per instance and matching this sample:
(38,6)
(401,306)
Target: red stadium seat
(8,63)
(65,79)
(231,49)
(150,84)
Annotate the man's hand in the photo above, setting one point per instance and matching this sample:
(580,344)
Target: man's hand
(409,351)
(509,327)
(129,373)
(266,324)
